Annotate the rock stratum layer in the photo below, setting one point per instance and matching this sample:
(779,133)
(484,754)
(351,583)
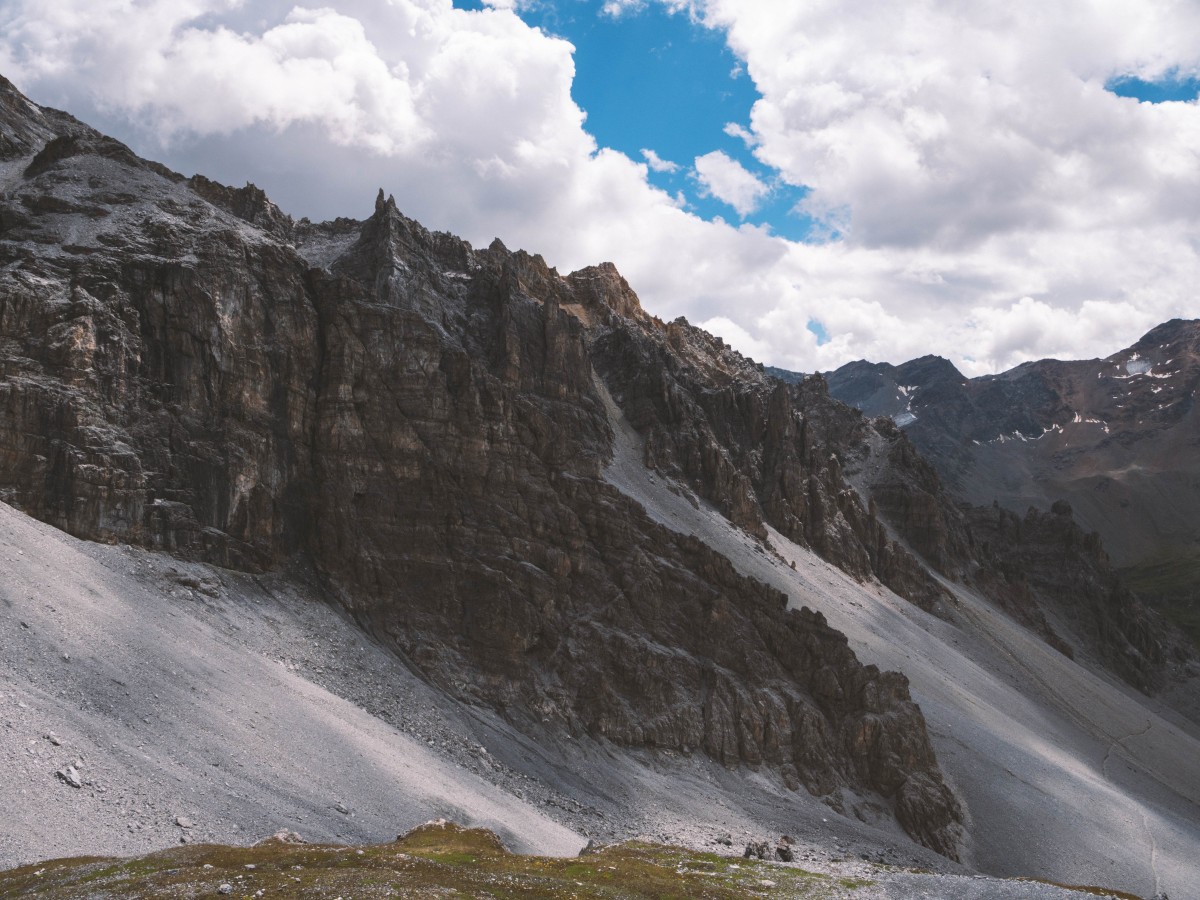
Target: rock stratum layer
(184,367)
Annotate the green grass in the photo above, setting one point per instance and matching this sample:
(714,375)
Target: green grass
(436,860)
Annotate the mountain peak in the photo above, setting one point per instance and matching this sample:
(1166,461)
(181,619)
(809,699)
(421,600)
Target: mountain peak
(383,204)
(930,367)
(24,127)
(603,284)
(1170,332)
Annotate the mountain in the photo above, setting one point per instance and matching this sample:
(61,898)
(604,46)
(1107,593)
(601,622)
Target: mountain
(188,370)
(657,581)
(1115,438)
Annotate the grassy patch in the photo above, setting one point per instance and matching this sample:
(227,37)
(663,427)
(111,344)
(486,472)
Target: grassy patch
(441,860)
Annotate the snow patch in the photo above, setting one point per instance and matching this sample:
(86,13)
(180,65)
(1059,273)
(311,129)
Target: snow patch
(321,251)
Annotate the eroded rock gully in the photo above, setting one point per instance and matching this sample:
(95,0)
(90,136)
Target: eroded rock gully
(184,367)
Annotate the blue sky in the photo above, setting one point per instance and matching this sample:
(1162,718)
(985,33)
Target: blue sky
(1173,87)
(653,79)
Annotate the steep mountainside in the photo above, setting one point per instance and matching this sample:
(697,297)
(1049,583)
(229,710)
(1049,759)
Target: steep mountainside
(1117,438)
(597,538)
(185,368)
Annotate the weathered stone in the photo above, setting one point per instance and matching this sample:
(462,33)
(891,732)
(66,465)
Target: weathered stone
(283,836)
(421,420)
(757,850)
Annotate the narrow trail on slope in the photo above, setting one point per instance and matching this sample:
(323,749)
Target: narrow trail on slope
(1120,742)
(1090,725)
(1153,854)
(1062,701)
(1051,692)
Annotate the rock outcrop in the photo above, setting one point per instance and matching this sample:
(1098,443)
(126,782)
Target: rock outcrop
(184,367)
(761,450)
(1044,562)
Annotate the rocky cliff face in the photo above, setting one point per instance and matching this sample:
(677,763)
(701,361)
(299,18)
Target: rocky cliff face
(1044,562)
(184,367)
(763,451)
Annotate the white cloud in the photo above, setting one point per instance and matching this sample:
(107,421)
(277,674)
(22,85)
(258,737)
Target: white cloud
(736,336)
(657,163)
(992,201)
(939,124)
(734,130)
(730,182)
(618,8)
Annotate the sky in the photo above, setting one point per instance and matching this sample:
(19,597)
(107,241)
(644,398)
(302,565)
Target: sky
(814,181)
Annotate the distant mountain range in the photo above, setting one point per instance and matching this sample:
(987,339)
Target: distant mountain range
(1116,438)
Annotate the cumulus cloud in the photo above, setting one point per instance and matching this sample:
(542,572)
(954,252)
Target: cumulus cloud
(313,66)
(737,336)
(939,124)
(657,163)
(729,181)
(986,197)
(733,129)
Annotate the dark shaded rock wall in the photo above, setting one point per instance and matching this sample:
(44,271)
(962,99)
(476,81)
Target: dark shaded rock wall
(1042,568)
(1045,560)
(763,451)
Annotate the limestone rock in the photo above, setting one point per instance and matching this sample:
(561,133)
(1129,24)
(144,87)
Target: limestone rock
(193,372)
